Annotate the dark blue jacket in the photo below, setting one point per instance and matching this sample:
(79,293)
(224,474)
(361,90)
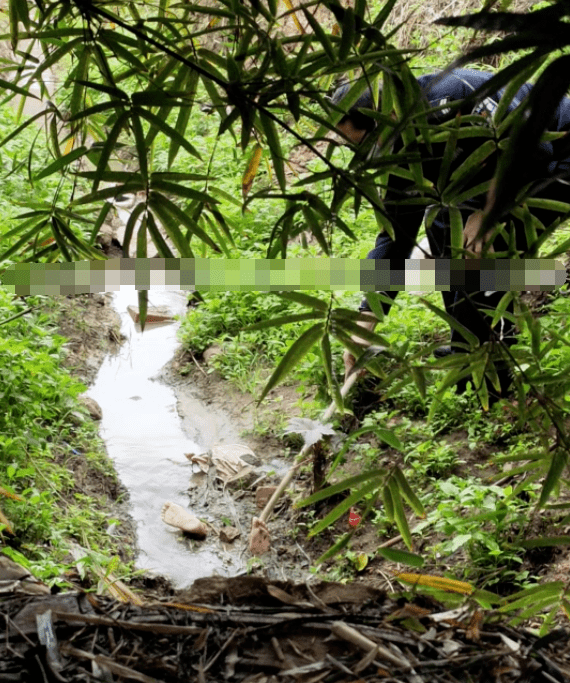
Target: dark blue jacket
(407,220)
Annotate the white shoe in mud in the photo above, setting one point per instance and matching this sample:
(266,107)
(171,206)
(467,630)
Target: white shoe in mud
(177,516)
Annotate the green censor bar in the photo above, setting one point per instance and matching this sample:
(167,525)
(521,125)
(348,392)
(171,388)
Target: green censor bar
(267,275)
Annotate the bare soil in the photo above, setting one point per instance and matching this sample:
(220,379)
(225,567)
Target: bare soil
(92,327)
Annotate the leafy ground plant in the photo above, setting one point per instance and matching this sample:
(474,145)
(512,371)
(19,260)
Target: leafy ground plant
(43,438)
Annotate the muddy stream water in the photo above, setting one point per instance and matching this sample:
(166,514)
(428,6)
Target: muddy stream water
(148,429)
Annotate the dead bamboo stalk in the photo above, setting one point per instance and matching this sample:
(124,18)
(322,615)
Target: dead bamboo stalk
(268,509)
(351,635)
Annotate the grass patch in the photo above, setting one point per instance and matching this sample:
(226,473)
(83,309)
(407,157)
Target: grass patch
(53,458)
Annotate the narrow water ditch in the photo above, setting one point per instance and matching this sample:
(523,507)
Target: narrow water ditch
(151,422)
(149,427)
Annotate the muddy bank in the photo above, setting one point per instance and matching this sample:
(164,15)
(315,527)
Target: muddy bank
(93,329)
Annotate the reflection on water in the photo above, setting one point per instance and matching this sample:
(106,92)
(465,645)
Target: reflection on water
(145,440)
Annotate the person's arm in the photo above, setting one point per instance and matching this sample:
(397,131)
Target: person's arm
(406,221)
(407,224)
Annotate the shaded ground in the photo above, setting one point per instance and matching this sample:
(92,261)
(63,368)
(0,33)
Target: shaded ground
(252,630)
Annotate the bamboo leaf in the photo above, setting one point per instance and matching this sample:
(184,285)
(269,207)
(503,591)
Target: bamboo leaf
(13,17)
(388,436)
(182,191)
(72,240)
(344,324)
(348,34)
(408,493)
(456,227)
(294,355)
(542,592)
(140,145)
(133,185)
(80,76)
(105,209)
(401,556)
(338,546)
(321,36)
(366,358)
(57,56)
(375,301)
(399,513)
(388,502)
(419,380)
(170,132)
(158,240)
(328,367)
(342,106)
(275,150)
(450,320)
(133,221)
(109,148)
(142,235)
(172,216)
(251,170)
(142,297)
(304,300)
(61,163)
(312,221)
(557,466)
(285,320)
(33,232)
(438,582)
(534,598)
(8,85)
(384,13)
(61,244)
(342,508)
(343,485)
(16,132)
(448,156)
(545,542)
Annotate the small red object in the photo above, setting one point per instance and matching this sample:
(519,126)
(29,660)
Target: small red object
(353,517)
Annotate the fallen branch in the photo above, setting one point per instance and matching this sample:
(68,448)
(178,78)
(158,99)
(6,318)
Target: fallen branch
(351,635)
(163,629)
(110,664)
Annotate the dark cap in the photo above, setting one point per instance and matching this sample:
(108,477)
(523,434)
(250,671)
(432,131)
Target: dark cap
(365,100)
(358,119)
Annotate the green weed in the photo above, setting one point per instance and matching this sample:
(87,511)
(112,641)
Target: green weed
(37,422)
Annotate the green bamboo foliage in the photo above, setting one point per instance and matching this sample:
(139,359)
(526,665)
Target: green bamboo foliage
(132,77)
